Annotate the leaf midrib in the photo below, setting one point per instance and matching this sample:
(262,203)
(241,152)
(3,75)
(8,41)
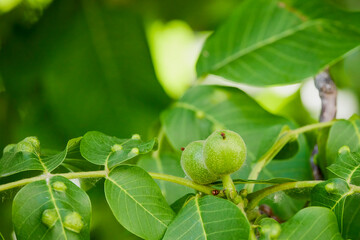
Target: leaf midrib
(47,181)
(199,212)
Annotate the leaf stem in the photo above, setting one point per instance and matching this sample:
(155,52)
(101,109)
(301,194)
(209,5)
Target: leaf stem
(71,175)
(102,173)
(185,182)
(255,198)
(284,138)
(229,187)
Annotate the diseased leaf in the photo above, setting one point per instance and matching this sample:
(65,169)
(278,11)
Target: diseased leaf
(347,166)
(336,195)
(51,209)
(167,164)
(209,218)
(311,223)
(268,42)
(102,149)
(26,155)
(137,203)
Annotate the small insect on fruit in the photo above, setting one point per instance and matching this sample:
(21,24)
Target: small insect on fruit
(224,152)
(193,164)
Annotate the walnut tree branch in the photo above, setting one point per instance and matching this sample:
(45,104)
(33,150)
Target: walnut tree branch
(328,95)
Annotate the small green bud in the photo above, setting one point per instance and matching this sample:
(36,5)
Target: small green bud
(73,222)
(243,193)
(200,114)
(59,186)
(136,136)
(116,148)
(49,217)
(330,188)
(135,151)
(344,149)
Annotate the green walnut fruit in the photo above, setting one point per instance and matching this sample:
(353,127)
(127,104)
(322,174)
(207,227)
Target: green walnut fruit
(192,163)
(224,152)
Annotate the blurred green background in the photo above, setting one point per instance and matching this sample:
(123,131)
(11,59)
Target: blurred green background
(68,67)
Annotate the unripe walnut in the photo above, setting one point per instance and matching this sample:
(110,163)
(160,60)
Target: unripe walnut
(224,152)
(192,163)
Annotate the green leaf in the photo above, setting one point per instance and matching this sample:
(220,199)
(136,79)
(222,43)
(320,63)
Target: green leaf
(26,155)
(51,209)
(137,203)
(168,164)
(347,166)
(311,223)
(337,195)
(102,149)
(266,42)
(209,218)
(351,217)
(343,132)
